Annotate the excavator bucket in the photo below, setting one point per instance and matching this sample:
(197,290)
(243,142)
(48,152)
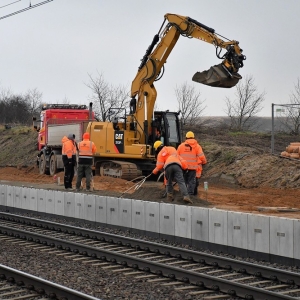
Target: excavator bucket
(217,76)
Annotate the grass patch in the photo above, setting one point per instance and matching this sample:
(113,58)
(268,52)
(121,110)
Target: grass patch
(208,146)
(16,130)
(228,157)
(225,157)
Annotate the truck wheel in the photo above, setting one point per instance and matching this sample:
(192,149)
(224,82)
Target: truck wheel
(42,164)
(53,166)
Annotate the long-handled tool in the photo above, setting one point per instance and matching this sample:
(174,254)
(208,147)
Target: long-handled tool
(137,185)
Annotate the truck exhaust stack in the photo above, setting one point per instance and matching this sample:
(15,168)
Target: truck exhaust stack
(91,111)
(217,76)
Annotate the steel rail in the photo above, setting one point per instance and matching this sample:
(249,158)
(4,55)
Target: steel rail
(205,258)
(41,286)
(188,276)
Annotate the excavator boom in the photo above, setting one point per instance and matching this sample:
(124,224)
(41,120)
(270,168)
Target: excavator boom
(125,144)
(223,75)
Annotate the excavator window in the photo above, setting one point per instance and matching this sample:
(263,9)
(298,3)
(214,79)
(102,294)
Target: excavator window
(172,135)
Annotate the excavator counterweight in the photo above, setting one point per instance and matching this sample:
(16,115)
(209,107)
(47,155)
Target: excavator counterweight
(217,76)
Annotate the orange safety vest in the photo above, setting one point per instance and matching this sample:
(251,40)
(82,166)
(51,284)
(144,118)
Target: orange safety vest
(86,148)
(64,139)
(174,158)
(162,156)
(68,148)
(192,152)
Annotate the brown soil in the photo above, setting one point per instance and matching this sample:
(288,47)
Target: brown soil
(241,174)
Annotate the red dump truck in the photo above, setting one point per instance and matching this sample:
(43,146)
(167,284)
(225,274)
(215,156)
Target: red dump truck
(56,121)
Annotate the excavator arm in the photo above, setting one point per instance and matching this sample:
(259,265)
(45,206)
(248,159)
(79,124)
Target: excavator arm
(223,75)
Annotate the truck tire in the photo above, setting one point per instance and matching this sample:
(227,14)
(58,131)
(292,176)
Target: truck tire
(42,165)
(53,165)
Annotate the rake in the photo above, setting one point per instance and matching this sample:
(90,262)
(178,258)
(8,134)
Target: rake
(137,185)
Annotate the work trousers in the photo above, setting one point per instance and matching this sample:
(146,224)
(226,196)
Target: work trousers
(190,180)
(84,170)
(69,175)
(196,186)
(174,173)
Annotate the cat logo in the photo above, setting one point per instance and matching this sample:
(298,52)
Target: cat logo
(119,136)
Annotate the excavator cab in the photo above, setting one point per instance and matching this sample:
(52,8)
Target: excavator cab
(166,128)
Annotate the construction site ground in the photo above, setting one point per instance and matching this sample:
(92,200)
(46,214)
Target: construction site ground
(242,174)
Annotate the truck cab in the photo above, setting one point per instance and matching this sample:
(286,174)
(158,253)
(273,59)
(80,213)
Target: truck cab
(55,122)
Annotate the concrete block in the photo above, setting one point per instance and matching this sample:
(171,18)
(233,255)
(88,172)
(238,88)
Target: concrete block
(33,199)
(167,219)
(69,205)
(200,224)
(25,198)
(18,197)
(138,214)
(282,237)
(101,209)
(125,212)
(3,196)
(183,221)
(112,211)
(296,239)
(237,229)
(152,219)
(41,200)
(59,203)
(79,206)
(90,207)
(259,233)
(218,226)
(10,194)
(50,202)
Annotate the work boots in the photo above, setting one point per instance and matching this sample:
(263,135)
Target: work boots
(187,199)
(170,197)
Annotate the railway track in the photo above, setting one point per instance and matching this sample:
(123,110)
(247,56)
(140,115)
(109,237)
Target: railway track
(15,284)
(188,270)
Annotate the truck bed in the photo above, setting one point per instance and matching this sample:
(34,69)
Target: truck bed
(56,132)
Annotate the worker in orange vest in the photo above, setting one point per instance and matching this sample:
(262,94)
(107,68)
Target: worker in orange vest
(192,152)
(86,150)
(69,159)
(173,164)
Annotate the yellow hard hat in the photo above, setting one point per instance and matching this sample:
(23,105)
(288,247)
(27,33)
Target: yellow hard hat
(190,135)
(157,144)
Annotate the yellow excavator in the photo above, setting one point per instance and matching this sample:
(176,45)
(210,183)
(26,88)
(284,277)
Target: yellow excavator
(125,144)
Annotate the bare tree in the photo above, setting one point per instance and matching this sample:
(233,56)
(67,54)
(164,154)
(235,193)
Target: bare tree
(190,104)
(34,100)
(291,116)
(5,95)
(108,101)
(246,105)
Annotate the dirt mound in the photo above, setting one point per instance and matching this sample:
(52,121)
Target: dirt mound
(241,173)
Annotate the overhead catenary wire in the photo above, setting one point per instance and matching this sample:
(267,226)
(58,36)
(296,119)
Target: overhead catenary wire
(25,9)
(10,3)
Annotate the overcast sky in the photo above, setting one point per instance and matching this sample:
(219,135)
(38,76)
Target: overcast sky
(55,46)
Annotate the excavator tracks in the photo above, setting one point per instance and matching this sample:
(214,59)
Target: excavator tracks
(120,169)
